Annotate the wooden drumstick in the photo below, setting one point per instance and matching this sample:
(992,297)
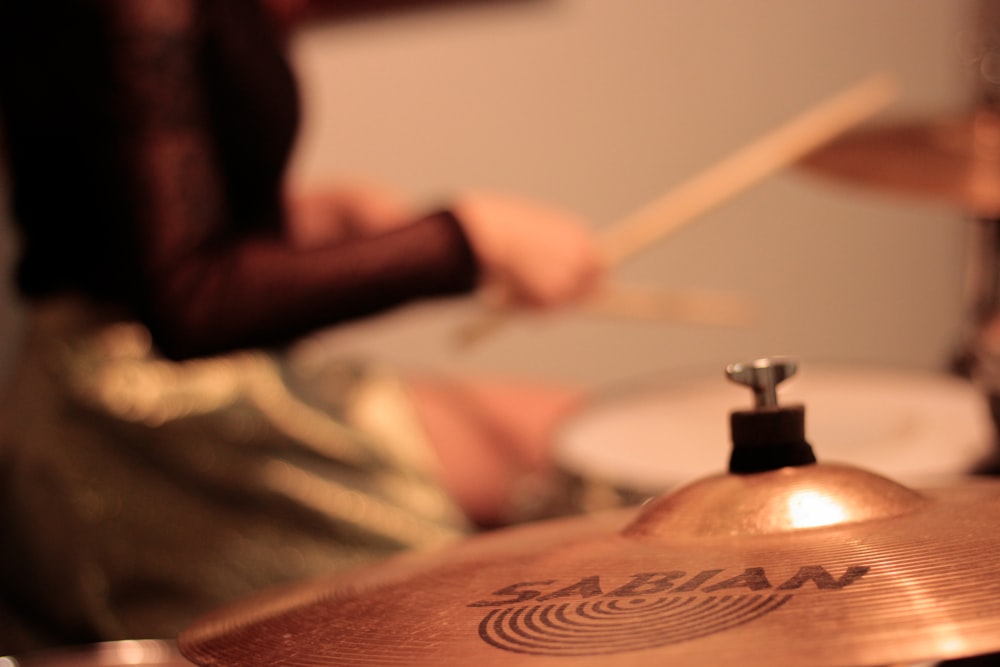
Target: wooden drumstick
(639,302)
(647,302)
(768,154)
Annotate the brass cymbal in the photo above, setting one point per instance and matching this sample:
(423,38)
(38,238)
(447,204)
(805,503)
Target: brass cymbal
(816,564)
(954,160)
(780,563)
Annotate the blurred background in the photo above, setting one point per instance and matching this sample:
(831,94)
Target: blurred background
(604,106)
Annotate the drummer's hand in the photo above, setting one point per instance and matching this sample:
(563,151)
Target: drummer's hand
(321,215)
(533,254)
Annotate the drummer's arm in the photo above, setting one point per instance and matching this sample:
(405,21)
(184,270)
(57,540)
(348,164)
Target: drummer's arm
(205,285)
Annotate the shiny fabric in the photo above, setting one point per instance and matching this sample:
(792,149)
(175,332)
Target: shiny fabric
(138,493)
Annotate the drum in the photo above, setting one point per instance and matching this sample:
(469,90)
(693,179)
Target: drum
(139,653)
(640,440)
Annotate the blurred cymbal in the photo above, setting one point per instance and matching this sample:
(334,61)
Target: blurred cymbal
(117,653)
(952,160)
(817,564)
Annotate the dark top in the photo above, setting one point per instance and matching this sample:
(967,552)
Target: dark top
(146,144)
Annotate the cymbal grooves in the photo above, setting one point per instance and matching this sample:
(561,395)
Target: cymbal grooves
(617,626)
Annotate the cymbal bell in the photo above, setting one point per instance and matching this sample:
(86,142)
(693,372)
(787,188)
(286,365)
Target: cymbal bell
(817,564)
(955,161)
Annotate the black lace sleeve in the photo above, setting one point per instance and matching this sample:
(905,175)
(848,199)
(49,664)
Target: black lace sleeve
(180,209)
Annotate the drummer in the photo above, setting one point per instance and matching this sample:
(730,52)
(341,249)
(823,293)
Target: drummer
(159,457)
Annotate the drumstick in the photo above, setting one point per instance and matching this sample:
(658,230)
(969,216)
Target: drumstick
(654,303)
(779,148)
(766,155)
(642,302)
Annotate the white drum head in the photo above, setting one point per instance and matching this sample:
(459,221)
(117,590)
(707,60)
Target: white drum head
(907,425)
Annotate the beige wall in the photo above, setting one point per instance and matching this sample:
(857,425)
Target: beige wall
(603,105)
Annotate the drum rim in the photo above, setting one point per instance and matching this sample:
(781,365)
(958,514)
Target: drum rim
(112,653)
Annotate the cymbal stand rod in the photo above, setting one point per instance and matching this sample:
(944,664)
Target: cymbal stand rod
(978,356)
(981,291)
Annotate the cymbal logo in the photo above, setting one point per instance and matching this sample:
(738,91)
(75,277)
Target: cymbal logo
(650,610)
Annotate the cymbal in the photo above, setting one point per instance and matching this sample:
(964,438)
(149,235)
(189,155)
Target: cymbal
(955,161)
(780,562)
(729,570)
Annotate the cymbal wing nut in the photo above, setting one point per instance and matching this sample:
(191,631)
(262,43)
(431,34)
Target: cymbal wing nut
(769,436)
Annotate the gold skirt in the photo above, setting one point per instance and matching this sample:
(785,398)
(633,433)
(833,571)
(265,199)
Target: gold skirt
(138,493)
